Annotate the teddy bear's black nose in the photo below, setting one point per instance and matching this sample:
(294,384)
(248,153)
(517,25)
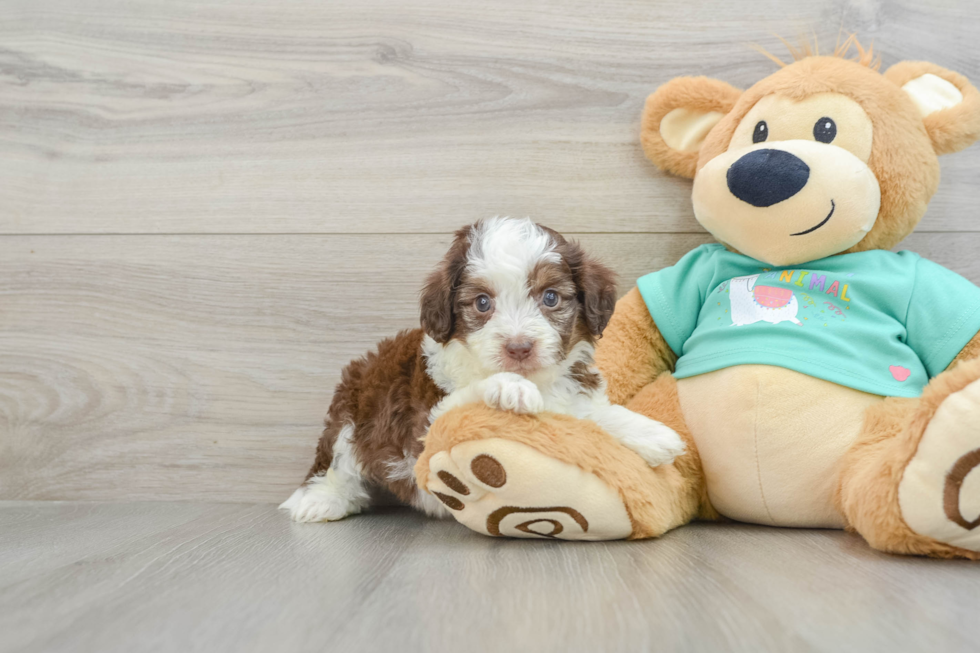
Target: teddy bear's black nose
(766,177)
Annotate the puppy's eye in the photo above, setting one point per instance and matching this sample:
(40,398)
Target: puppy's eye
(825,130)
(761,132)
(483,303)
(550,298)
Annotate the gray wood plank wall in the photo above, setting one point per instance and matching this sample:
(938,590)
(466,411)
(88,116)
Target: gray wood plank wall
(207,208)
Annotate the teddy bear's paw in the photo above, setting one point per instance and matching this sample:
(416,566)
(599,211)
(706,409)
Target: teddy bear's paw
(939,494)
(504,488)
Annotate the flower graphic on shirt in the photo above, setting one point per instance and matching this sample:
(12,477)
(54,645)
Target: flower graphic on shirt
(752,303)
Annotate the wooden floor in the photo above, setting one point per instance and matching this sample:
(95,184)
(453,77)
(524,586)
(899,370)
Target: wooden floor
(186,577)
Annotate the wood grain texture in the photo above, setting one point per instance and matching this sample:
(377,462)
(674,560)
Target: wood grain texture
(366,116)
(209,207)
(199,367)
(341,142)
(189,577)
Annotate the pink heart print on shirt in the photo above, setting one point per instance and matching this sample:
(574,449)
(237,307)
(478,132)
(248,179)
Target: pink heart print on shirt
(900,373)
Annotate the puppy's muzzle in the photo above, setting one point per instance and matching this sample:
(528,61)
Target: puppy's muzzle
(519,350)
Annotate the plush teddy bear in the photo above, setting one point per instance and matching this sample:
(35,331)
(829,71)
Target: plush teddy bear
(819,379)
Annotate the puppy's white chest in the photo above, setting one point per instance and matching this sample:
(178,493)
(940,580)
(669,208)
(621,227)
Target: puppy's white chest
(565,402)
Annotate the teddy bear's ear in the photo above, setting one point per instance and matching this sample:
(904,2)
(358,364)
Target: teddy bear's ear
(677,118)
(948,102)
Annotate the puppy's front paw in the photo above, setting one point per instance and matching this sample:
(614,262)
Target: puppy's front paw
(656,443)
(506,391)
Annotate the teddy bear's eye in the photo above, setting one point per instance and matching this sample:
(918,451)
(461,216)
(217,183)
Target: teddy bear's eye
(761,132)
(825,130)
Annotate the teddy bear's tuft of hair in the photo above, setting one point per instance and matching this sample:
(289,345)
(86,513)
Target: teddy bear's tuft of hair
(842,50)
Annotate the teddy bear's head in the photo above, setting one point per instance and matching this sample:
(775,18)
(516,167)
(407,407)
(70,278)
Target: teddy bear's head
(825,156)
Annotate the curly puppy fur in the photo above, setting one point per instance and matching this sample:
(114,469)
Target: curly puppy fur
(510,297)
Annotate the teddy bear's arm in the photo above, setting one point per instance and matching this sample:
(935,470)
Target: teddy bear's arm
(632,351)
(971,351)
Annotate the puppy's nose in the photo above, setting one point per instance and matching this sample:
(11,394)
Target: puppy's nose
(766,177)
(519,349)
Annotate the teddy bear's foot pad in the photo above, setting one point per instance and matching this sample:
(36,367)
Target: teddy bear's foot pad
(503,488)
(939,494)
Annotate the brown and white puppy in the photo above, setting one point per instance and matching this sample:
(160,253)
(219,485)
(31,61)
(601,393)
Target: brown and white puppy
(510,318)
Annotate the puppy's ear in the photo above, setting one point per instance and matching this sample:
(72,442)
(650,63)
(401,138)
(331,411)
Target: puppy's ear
(948,103)
(439,293)
(596,287)
(678,116)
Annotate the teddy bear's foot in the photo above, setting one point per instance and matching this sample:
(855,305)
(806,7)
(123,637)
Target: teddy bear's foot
(504,488)
(939,494)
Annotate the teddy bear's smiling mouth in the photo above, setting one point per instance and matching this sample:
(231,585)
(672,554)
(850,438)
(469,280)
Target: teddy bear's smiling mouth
(825,220)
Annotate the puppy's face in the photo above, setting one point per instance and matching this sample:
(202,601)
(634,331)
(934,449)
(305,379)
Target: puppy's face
(517,296)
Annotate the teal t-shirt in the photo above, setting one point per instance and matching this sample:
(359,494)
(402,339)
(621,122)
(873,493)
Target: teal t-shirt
(876,321)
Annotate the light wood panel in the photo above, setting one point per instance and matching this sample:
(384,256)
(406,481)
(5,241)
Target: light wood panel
(365,116)
(188,577)
(174,365)
(184,366)
(199,367)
